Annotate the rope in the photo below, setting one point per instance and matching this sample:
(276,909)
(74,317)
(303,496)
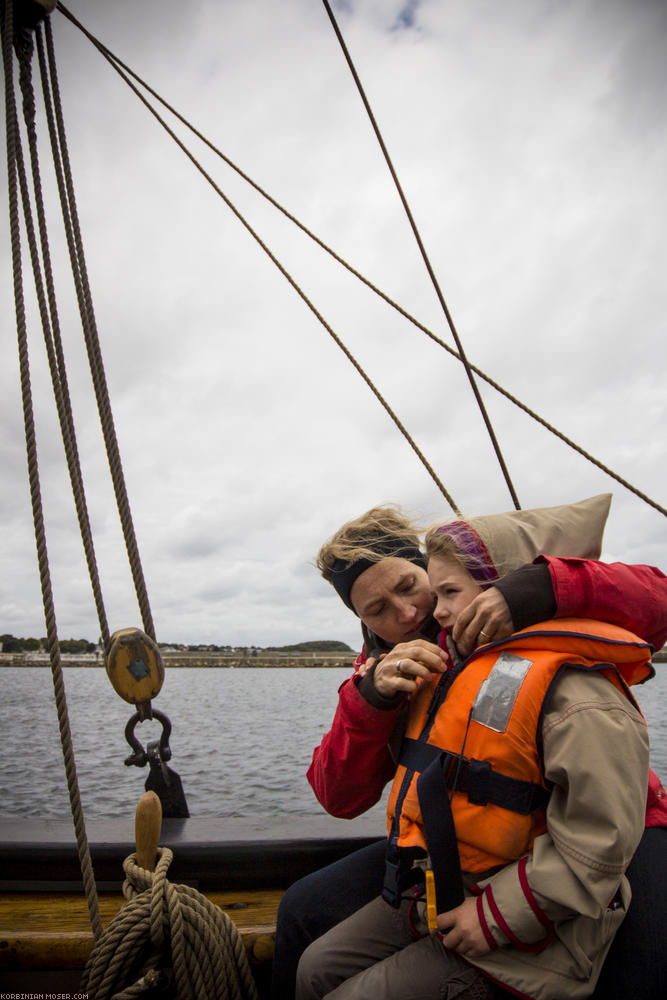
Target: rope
(14,165)
(84,297)
(50,322)
(51,331)
(422,250)
(116,62)
(166,926)
(297,288)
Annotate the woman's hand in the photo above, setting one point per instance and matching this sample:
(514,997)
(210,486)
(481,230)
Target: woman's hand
(462,931)
(486,619)
(401,669)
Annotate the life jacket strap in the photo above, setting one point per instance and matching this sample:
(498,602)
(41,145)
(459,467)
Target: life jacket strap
(440,834)
(476,778)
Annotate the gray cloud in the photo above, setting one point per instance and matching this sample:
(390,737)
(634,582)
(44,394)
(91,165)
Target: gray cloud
(530,142)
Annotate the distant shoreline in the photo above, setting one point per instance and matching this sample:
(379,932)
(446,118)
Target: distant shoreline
(198,666)
(217,661)
(198,661)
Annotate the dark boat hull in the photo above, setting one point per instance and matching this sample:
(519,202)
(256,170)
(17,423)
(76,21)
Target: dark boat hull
(209,853)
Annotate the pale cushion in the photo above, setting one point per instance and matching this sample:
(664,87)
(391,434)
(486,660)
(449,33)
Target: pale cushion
(518,536)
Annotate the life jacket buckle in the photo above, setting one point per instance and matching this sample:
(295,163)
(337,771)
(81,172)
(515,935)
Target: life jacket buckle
(391,888)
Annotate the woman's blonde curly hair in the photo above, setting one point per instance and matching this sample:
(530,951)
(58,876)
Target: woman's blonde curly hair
(358,539)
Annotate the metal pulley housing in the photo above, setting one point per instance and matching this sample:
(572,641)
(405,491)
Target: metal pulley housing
(134,667)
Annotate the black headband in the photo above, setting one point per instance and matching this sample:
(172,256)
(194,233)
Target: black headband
(344,573)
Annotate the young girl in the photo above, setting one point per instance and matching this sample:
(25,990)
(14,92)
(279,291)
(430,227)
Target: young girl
(521,785)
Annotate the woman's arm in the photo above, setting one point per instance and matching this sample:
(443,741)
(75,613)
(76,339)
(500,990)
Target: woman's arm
(634,597)
(353,763)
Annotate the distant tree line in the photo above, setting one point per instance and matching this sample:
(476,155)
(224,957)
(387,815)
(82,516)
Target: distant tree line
(317,646)
(11,644)
(321,646)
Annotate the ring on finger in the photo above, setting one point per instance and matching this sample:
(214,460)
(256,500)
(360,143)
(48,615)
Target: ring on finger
(484,634)
(398,668)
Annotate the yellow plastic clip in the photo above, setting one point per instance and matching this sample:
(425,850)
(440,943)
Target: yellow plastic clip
(431,908)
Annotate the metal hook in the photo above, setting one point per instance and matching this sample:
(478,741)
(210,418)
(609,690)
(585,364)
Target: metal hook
(140,757)
(161,779)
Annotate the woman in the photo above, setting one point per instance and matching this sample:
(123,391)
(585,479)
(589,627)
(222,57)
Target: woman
(377,568)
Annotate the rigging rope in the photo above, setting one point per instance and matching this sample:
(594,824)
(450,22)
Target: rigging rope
(14,167)
(369,382)
(51,330)
(84,297)
(425,258)
(51,326)
(168,925)
(116,62)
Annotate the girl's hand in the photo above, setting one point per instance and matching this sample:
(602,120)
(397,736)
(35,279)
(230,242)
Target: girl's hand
(408,662)
(462,931)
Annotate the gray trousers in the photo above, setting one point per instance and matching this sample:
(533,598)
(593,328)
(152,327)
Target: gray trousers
(374,954)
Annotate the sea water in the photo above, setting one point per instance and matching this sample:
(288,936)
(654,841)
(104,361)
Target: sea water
(241,740)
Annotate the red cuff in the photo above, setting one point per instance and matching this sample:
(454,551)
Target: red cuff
(507,930)
(532,902)
(490,940)
(656,802)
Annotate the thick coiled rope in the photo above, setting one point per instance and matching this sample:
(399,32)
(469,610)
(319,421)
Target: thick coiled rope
(165,930)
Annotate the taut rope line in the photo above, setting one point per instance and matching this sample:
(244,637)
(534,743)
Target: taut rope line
(51,330)
(84,297)
(116,62)
(55,355)
(297,288)
(425,258)
(14,165)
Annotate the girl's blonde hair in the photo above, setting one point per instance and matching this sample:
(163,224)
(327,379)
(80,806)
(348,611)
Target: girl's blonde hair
(362,538)
(441,545)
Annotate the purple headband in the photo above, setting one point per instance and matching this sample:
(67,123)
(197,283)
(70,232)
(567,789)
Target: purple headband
(344,574)
(472,550)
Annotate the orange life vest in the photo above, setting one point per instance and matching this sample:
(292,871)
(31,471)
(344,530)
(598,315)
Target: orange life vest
(482,721)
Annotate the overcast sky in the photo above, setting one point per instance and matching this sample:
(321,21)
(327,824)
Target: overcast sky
(530,138)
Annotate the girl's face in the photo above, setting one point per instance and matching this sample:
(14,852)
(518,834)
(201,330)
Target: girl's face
(393,598)
(453,588)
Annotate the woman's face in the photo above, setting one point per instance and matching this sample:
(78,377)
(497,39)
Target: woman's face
(393,598)
(453,587)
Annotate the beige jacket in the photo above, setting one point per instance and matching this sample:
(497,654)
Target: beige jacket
(557,901)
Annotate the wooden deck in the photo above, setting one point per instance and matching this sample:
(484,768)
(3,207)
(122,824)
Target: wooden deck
(51,930)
